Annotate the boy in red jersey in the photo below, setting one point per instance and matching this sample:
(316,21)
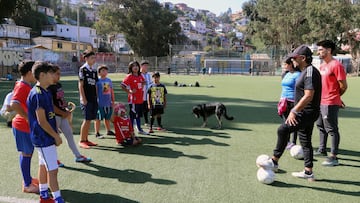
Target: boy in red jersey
(20,125)
(124,131)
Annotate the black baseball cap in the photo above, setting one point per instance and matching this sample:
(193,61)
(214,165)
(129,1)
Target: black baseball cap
(301,50)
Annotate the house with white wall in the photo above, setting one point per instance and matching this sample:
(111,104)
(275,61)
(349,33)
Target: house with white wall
(14,36)
(70,32)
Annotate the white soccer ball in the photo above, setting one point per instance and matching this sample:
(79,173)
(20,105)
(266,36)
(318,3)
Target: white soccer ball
(265,176)
(261,158)
(297,152)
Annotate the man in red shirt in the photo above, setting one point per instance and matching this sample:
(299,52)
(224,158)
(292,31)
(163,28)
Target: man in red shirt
(21,128)
(334,85)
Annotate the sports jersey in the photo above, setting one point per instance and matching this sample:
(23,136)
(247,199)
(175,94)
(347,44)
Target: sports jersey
(58,96)
(157,95)
(123,128)
(288,85)
(21,92)
(148,81)
(40,98)
(134,82)
(104,87)
(331,73)
(310,79)
(90,77)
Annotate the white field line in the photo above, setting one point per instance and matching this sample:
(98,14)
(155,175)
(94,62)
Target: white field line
(16,200)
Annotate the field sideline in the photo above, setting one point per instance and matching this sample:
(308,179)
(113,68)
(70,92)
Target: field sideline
(193,164)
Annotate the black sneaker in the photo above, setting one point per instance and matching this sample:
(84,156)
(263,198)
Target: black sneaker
(320,153)
(110,133)
(99,136)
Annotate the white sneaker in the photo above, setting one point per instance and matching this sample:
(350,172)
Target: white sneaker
(302,174)
(143,133)
(269,164)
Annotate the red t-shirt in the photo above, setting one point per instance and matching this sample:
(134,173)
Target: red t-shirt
(21,92)
(331,73)
(134,82)
(123,128)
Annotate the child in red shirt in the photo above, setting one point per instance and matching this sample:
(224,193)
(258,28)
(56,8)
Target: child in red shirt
(124,131)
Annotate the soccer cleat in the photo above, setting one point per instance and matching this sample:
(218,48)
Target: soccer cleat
(160,129)
(48,200)
(302,174)
(110,133)
(32,188)
(91,143)
(320,153)
(84,145)
(60,164)
(330,161)
(269,164)
(151,130)
(83,159)
(99,136)
(143,132)
(59,200)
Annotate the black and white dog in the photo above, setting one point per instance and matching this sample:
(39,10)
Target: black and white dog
(206,110)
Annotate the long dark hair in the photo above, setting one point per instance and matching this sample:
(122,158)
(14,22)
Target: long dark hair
(133,63)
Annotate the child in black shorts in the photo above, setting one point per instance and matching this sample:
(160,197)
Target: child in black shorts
(156,101)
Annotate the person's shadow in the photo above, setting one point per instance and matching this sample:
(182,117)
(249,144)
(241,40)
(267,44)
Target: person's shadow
(83,197)
(127,175)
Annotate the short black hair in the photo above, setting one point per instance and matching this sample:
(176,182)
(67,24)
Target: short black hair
(41,67)
(156,75)
(328,44)
(102,67)
(88,53)
(25,66)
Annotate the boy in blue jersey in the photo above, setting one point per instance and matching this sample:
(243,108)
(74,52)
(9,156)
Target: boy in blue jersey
(106,100)
(43,133)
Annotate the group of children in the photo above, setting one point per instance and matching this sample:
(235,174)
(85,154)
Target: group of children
(97,93)
(42,113)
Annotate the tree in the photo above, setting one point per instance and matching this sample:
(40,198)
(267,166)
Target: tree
(339,25)
(148,28)
(7,7)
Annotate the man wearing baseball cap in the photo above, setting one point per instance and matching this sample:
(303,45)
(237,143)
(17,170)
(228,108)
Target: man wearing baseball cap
(303,115)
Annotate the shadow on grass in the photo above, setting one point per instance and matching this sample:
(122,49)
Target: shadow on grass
(342,192)
(147,150)
(204,132)
(127,175)
(183,141)
(83,197)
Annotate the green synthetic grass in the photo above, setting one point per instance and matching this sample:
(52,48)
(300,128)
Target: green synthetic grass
(193,164)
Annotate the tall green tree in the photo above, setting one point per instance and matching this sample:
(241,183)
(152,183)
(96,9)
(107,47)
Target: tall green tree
(148,28)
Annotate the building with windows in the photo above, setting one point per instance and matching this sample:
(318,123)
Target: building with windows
(14,36)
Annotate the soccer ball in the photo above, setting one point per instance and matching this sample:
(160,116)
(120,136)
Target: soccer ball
(265,176)
(297,152)
(261,158)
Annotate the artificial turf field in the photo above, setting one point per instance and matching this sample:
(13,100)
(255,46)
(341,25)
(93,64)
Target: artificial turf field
(193,164)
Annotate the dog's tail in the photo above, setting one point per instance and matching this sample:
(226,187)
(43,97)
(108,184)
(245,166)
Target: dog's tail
(226,116)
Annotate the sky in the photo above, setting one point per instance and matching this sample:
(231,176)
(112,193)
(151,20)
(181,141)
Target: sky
(215,6)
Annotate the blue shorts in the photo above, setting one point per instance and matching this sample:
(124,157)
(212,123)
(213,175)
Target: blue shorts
(23,142)
(104,113)
(89,110)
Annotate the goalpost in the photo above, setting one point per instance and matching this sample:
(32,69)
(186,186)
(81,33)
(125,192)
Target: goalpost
(237,66)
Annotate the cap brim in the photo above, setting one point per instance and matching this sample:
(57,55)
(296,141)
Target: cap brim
(292,55)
